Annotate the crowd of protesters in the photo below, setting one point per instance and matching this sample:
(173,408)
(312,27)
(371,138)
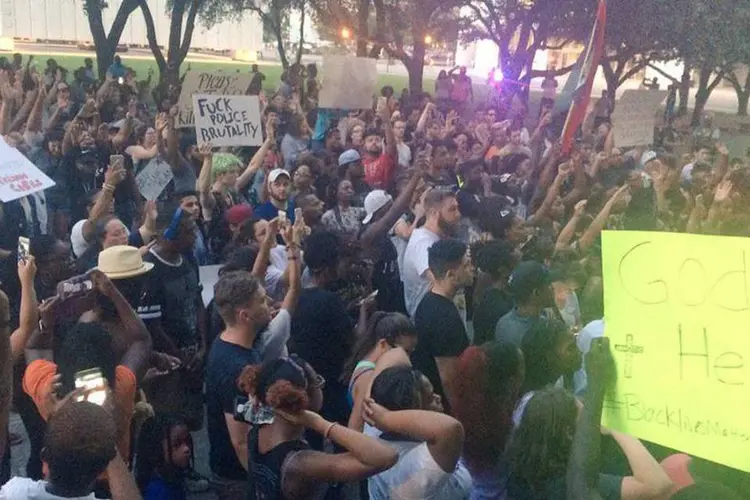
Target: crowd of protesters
(406,298)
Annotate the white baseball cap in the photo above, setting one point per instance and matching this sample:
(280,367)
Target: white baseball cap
(375,201)
(276,173)
(647,157)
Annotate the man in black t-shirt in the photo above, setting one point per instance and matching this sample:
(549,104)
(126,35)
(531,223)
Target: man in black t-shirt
(440,329)
(322,330)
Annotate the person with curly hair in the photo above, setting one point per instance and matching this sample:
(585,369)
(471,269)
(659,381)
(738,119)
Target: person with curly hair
(80,445)
(281,464)
(164,454)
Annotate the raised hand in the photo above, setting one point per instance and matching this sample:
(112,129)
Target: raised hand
(27,271)
(374,414)
(580,208)
(565,169)
(114,175)
(600,366)
(101,283)
(723,191)
(161,122)
(205,150)
(271,129)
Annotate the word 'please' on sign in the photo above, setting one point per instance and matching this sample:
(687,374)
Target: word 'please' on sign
(217,83)
(676,311)
(225,120)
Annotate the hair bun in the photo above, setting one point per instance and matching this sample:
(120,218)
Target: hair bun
(287,397)
(247,381)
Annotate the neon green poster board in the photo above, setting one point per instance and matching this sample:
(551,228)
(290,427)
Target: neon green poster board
(677,312)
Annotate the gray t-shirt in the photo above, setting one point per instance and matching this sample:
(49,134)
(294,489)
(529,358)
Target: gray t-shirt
(512,327)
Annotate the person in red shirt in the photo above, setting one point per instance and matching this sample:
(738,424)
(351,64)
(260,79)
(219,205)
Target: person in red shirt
(380,159)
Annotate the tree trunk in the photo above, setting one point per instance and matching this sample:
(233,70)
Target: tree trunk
(105,56)
(300,45)
(275,23)
(742,101)
(684,90)
(380,28)
(363,14)
(106,44)
(743,93)
(415,67)
(701,98)
(612,79)
(702,94)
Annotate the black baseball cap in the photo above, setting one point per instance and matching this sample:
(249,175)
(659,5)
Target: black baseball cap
(528,277)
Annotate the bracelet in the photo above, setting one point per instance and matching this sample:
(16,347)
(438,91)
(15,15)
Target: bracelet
(109,188)
(330,428)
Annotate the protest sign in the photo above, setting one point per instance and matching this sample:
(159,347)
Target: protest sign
(212,83)
(154,177)
(634,117)
(676,309)
(225,120)
(18,176)
(209,276)
(348,82)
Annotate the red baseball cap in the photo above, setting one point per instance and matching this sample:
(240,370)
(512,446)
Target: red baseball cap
(239,214)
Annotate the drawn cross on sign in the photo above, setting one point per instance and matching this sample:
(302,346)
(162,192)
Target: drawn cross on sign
(629,348)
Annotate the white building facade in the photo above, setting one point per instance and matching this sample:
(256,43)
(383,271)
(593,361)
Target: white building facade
(64,21)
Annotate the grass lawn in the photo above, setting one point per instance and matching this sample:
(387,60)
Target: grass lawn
(141,66)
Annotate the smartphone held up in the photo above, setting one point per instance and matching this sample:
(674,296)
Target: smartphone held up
(23,248)
(93,384)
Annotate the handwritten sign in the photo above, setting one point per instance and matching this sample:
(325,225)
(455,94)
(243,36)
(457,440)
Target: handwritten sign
(226,120)
(18,176)
(635,117)
(212,83)
(154,177)
(348,82)
(677,309)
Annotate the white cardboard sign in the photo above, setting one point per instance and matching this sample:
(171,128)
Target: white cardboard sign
(348,82)
(226,120)
(152,180)
(635,117)
(204,82)
(18,176)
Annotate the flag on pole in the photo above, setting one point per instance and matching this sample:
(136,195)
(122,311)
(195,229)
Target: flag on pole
(582,78)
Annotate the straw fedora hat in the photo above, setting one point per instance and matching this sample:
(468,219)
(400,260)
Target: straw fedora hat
(122,262)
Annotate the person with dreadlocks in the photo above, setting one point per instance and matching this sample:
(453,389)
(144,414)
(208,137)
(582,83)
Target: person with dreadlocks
(164,454)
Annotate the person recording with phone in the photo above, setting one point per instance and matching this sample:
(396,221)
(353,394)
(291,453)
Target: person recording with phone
(109,337)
